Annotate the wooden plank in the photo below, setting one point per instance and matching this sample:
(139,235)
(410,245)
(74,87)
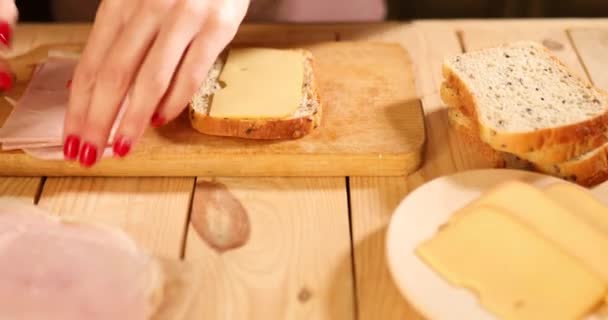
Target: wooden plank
(374,199)
(23,189)
(154,211)
(272,248)
(554,38)
(592,47)
(563,23)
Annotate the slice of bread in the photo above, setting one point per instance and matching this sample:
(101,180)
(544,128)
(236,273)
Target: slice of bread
(465,128)
(525,100)
(586,170)
(303,121)
(548,155)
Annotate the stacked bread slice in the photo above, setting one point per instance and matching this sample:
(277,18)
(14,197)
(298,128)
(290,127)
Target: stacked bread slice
(521,107)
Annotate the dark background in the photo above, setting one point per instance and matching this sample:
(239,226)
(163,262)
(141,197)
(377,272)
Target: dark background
(39,10)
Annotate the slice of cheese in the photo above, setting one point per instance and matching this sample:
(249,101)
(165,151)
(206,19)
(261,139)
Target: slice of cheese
(515,273)
(260,84)
(577,200)
(533,207)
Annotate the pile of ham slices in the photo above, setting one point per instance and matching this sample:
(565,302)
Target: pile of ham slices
(55,270)
(35,125)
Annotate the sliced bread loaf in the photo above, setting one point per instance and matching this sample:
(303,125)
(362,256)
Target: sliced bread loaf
(303,121)
(548,155)
(525,100)
(587,170)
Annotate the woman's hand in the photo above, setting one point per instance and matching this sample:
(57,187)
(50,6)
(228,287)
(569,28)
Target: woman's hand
(156,52)
(8,18)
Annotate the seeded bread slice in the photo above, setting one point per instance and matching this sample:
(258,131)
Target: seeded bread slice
(465,128)
(548,155)
(524,99)
(587,170)
(304,120)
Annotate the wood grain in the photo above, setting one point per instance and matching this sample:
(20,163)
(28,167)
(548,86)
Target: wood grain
(554,38)
(370,126)
(374,199)
(592,47)
(154,211)
(23,189)
(294,261)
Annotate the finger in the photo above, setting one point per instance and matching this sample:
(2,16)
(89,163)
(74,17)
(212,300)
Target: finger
(219,30)
(158,69)
(8,18)
(115,77)
(105,30)
(6,77)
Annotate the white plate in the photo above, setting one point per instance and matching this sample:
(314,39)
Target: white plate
(417,219)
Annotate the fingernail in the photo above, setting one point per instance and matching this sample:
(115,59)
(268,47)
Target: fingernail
(157,120)
(5,33)
(71,147)
(6,81)
(69,84)
(121,147)
(88,155)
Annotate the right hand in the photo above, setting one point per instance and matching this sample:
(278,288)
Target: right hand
(8,19)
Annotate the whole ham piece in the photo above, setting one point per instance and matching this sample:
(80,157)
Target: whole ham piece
(54,270)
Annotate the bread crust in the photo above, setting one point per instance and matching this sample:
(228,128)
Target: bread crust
(586,172)
(549,153)
(469,137)
(256,129)
(524,142)
(264,129)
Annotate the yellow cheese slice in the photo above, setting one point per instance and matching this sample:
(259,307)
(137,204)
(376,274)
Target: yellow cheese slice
(579,201)
(515,273)
(534,208)
(260,83)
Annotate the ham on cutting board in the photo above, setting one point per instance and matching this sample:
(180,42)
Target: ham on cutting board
(51,269)
(36,123)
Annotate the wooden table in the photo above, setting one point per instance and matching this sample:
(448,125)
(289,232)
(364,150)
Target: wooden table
(300,248)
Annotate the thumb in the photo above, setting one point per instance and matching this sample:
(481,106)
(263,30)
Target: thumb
(8,18)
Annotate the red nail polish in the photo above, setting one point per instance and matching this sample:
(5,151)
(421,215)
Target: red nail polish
(5,33)
(88,155)
(71,147)
(157,120)
(121,147)
(6,81)
(69,84)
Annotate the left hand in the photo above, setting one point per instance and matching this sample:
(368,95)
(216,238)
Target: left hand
(157,52)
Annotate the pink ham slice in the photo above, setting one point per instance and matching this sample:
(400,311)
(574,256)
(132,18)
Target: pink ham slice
(36,123)
(54,270)
(38,115)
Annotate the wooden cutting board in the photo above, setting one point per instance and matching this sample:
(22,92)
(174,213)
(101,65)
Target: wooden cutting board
(373,125)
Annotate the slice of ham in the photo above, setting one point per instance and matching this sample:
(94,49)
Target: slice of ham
(36,123)
(51,269)
(39,113)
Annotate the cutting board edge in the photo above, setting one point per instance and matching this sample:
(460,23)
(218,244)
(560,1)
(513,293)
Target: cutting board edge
(317,165)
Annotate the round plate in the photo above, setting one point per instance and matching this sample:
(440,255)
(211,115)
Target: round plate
(417,219)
